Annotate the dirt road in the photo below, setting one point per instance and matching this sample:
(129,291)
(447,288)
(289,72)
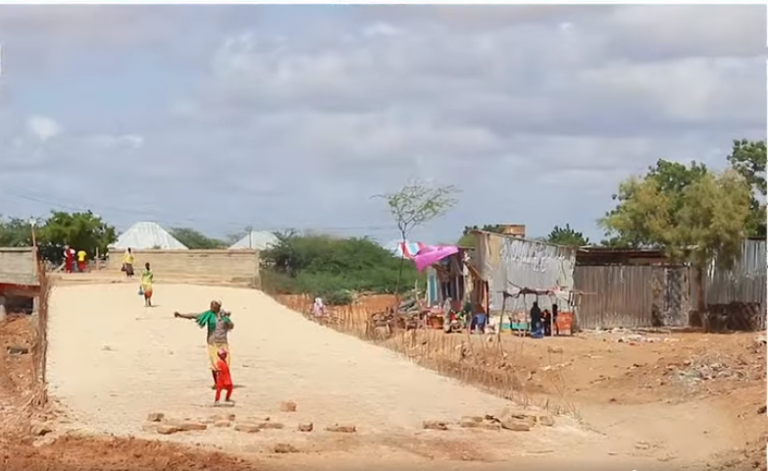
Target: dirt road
(111,361)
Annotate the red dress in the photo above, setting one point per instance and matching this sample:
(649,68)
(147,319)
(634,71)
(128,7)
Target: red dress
(223,376)
(223,380)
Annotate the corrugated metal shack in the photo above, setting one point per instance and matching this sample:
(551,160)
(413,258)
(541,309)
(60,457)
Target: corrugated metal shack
(508,263)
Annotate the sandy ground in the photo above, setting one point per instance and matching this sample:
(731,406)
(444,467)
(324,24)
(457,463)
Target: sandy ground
(111,362)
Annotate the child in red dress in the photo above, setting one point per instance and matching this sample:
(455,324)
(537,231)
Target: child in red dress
(223,379)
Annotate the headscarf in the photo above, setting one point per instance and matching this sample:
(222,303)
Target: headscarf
(319,302)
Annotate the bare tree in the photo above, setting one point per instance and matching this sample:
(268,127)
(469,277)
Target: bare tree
(416,204)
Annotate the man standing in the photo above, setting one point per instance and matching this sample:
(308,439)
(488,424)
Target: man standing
(218,324)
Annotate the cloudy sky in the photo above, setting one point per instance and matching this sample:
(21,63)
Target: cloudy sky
(285,116)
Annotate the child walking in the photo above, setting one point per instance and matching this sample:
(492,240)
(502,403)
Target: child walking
(223,380)
(147,279)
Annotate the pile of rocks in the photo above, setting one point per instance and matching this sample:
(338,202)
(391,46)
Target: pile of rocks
(157,422)
(508,419)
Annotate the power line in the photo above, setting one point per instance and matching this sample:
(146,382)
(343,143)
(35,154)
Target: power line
(233,226)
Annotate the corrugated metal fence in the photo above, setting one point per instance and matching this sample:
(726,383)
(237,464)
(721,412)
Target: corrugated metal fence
(645,296)
(737,296)
(632,296)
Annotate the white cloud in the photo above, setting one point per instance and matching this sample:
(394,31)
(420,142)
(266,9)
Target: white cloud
(43,128)
(300,121)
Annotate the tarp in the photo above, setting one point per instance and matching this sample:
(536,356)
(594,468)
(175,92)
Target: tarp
(406,249)
(431,254)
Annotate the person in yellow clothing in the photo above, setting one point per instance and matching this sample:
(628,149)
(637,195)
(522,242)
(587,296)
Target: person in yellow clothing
(147,277)
(81,256)
(128,260)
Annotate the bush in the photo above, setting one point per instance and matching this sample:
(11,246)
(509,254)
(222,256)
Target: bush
(339,298)
(327,267)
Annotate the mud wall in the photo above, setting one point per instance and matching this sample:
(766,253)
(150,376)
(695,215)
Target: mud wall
(18,265)
(210,266)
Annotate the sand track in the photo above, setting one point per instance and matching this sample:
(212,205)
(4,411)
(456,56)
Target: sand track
(111,361)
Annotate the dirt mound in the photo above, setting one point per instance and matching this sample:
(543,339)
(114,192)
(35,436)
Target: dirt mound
(84,454)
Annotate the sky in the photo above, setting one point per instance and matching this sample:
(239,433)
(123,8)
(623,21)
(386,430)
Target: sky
(275,117)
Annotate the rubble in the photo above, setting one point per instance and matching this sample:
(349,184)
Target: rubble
(307,427)
(285,448)
(167,429)
(270,425)
(155,417)
(247,428)
(341,428)
(434,425)
(288,406)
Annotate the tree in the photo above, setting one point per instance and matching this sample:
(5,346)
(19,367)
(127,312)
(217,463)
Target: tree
(702,222)
(16,232)
(196,240)
(83,231)
(748,158)
(567,237)
(416,204)
(468,238)
(669,179)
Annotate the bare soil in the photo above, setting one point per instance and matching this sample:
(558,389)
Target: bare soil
(684,400)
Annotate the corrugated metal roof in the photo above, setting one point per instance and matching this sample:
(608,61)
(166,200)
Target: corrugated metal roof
(259,240)
(148,235)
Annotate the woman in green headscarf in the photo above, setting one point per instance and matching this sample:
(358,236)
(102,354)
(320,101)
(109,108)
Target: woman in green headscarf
(217,323)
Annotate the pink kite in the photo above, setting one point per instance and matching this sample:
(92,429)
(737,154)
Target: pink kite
(430,255)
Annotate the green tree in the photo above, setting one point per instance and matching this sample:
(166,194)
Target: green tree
(669,179)
(749,158)
(416,204)
(566,236)
(468,239)
(703,222)
(196,240)
(82,231)
(16,232)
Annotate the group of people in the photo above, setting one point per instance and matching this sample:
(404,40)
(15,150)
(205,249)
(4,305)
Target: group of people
(543,321)
(215,320)
(218,324)
(75,260)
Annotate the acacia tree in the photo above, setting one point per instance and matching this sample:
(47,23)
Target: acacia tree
(416,204)
(698,223)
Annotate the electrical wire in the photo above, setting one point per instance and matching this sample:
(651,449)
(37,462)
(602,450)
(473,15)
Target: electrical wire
(186,222)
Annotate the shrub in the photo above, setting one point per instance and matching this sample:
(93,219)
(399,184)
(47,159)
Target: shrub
(326,266)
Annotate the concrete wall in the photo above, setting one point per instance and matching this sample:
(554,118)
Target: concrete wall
(18,265)
(215,266)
